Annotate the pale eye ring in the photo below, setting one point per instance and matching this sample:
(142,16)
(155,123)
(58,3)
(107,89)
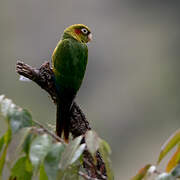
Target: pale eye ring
(84,31)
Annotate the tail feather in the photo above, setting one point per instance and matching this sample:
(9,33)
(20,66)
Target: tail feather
(59,124)
(64,103)
(63,120)
(66,129)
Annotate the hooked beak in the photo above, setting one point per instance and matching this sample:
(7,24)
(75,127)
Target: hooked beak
(90,37)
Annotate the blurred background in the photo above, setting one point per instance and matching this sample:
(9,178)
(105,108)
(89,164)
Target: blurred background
(131,91)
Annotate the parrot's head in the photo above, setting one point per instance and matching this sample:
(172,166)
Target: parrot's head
(79,32)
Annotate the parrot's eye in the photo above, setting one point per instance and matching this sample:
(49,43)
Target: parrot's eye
(84,31)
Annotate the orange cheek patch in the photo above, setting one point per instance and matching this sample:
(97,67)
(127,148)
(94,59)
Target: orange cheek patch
(77,31)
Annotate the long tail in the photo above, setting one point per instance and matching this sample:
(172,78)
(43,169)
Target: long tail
(63,119)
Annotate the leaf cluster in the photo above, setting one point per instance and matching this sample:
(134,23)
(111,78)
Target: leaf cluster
(42,155)
(172,170)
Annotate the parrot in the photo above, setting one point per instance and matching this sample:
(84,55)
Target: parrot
(69,61)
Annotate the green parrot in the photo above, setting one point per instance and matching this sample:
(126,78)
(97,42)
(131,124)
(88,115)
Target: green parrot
(69,62)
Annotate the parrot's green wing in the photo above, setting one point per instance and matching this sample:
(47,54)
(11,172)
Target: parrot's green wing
(69,63)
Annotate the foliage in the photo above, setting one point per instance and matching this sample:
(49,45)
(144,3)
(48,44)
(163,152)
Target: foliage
(172,171)
(41,155)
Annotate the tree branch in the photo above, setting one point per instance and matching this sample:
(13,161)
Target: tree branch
(78,122)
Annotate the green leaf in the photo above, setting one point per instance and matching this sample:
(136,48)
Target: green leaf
(51,161)
(105,152)
(78,152)
(27,142)
(8,136)
(70,173)
(1,143)
(92,141)
(141,173)
(39,148)
(3,159)
(172,141)
(6,105)
(165,176)
(17,117)
(174,160)
(69,153)
(176,171)
(42,173)
(22,169)
(106,146)
(7,140)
